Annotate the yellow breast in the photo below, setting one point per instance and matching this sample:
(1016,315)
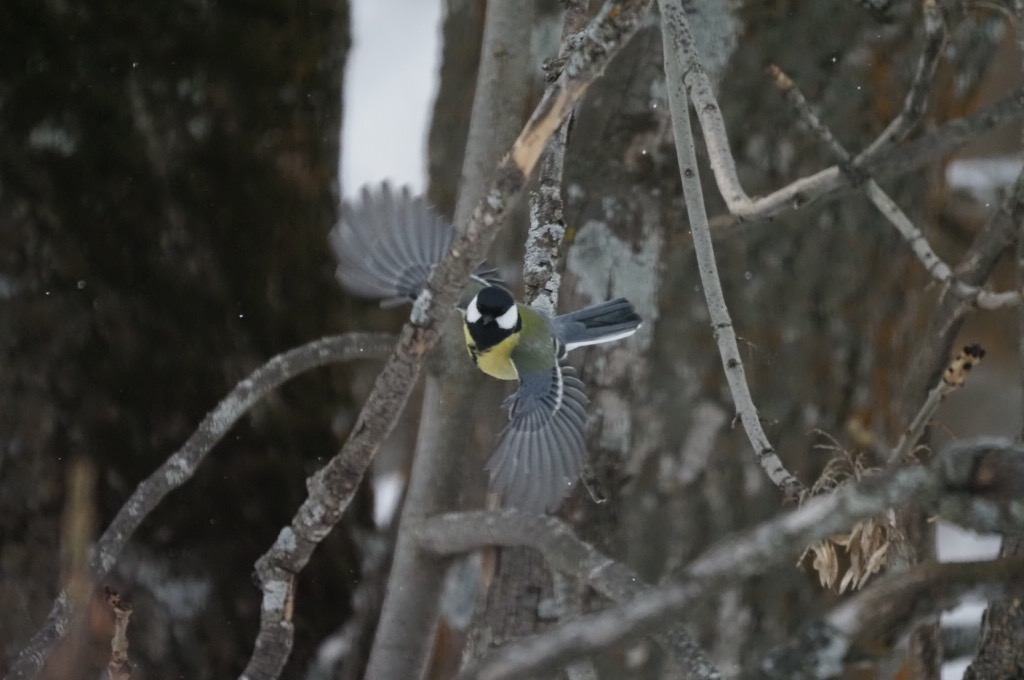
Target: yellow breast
(494,361)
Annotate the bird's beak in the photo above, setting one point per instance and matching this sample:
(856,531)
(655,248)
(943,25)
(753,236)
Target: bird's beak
(486,319)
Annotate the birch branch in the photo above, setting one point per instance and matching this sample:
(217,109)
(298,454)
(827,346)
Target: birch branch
(888,162)
(933,264)
(182,464)
(975,482)
(884,157)
(677,47)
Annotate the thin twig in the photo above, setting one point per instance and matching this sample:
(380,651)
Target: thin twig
(935,266)
(952,379)
(182,464)
(889,161)
(884,159)
(971,482)
(976,265)
(688,71)
(920,87)
(802,191)
(676,39)
(119,667)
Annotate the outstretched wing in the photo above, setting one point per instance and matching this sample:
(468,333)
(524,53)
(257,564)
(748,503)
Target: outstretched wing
(542,450)
(387,243)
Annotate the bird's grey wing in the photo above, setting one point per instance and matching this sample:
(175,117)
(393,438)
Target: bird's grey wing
(387,243)
(542,450)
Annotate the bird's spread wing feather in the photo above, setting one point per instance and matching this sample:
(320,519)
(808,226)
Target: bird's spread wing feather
(387,243)
(542,450)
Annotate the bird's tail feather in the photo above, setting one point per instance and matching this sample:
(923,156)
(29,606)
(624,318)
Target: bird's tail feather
(602,322)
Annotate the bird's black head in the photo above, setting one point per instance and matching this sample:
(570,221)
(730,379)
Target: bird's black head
(491,316)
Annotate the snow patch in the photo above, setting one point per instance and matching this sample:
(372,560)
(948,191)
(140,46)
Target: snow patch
(984,178)
(387,491)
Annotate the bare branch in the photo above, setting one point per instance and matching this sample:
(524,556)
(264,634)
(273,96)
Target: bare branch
(564,552)
(547,228)
(970,481)
(687,70)
(459,532)
(880,159)
(889,161)
(182,464)
(952,378)
(542,258)
(884,613)
(678,46)
(917,96)
(936,267)
(974,268)
(1019,6)
(723,165)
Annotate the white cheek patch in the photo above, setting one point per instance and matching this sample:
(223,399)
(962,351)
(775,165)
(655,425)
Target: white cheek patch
(507,321)
(472,313)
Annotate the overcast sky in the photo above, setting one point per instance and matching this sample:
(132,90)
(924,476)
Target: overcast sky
(389,92)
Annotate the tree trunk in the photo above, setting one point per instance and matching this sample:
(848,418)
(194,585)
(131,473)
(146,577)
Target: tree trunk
(167,180)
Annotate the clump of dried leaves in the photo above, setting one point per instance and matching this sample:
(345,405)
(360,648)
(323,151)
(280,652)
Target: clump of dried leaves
(845,561)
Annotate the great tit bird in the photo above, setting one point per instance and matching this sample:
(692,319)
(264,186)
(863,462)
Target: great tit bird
(386,246)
